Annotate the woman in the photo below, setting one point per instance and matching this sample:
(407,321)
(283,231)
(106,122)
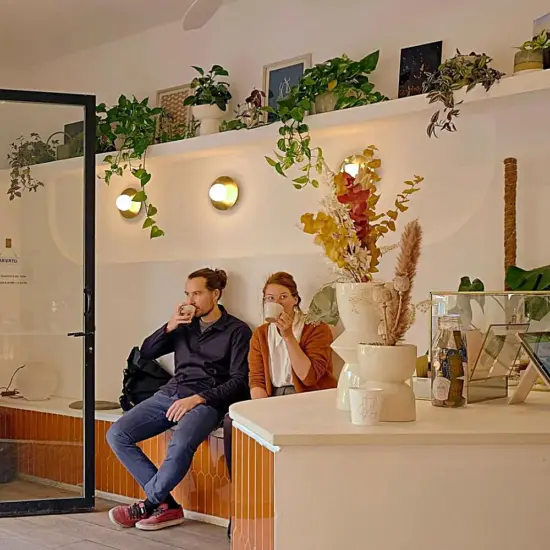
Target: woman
(288,355)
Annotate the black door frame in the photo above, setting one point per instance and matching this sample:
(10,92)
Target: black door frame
(86,502)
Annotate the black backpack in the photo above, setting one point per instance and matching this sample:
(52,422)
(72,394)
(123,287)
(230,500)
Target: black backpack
(142,379)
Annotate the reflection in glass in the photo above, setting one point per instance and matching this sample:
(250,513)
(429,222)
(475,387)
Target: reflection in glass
(41,283)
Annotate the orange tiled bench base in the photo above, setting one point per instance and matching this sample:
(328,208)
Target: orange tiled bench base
(51,448)
(253,491)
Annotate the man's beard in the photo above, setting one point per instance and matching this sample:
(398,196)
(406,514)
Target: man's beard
(206,313)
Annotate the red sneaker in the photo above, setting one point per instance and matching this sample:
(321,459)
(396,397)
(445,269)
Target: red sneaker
(128,516)
(162,517)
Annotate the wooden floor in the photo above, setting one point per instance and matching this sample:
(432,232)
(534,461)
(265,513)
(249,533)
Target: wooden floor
(25,490)
(94,531)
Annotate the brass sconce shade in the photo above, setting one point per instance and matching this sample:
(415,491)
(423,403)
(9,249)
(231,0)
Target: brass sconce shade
(352,164)
(224,193)
(126,206)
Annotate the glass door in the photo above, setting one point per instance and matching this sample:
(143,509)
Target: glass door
(47,321)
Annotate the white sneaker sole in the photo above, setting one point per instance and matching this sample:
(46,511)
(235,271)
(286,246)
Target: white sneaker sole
(113,520)
(158,526)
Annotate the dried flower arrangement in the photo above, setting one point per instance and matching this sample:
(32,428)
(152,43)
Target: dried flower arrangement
(394,298)
(347,227)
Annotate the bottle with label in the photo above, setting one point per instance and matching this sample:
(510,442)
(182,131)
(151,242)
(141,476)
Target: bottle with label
(449,364)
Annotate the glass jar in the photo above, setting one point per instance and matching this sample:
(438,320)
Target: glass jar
(449,364)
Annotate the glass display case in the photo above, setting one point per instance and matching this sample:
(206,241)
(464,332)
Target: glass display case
(475,353)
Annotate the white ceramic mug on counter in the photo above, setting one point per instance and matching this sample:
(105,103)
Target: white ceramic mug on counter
(272,311)
(365,405)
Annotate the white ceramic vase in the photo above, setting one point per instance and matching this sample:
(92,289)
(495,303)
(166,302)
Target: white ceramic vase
(389,368)
(210,118)
(360,318)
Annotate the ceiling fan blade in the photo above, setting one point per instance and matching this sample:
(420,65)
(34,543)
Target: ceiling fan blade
(199,13)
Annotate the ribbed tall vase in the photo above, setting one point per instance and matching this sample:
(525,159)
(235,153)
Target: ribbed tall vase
(360,318)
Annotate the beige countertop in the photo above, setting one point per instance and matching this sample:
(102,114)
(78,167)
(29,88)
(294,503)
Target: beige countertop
(313,419)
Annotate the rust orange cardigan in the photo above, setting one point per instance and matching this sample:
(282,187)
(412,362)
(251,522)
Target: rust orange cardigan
(315,342)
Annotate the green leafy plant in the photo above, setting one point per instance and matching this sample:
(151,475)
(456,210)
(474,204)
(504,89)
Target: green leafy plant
(454,74)
(348,80)
(207,91)
(521,280)
(538,44)
(466,285)
(134,123)
(23,154)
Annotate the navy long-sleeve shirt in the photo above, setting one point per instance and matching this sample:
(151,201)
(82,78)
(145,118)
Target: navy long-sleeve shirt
(212,363)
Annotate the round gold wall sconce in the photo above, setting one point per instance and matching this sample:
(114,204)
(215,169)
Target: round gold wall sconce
(127,207)
(351,164)
(224,193)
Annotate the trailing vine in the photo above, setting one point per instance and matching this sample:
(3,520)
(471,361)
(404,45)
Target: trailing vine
(341,76)
(132,123)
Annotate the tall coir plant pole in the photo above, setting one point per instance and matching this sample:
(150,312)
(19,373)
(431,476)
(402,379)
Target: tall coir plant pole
(510,193)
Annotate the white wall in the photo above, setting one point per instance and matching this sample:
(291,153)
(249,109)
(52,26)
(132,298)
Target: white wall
(460,206)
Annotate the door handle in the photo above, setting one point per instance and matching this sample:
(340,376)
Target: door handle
(80,334)
(88,301)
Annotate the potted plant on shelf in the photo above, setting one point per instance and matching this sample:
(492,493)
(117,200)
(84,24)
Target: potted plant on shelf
(249,115)
(133,124)
(529,56)
(454,74)
(339,83)
(348,228)
(23,154)
(210,99)
(389,364)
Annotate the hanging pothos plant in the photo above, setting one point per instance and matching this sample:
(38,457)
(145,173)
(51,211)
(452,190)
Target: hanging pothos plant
(348,81)
(131,126)
(23,154)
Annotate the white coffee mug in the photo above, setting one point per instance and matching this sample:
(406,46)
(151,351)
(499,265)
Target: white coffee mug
(365,405)
(272,311)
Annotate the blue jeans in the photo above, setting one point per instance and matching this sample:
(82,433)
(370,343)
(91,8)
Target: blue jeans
(148,419)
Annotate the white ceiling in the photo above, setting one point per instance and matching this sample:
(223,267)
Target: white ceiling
(35,31)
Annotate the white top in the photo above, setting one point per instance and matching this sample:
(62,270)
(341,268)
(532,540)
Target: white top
(312,418)
(280,368)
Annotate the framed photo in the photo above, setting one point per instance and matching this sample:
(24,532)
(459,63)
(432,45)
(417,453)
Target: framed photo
(279,78)
(539,25)
(171,100)
(499,352)
(416,63)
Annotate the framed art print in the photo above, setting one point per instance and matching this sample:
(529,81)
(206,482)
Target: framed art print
(280,77)
(416,63)
(178,115)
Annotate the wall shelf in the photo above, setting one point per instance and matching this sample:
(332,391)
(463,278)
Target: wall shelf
(347,119)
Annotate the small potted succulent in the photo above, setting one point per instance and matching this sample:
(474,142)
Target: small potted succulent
(529,56)
(452,75)
(388,365)
(210,99)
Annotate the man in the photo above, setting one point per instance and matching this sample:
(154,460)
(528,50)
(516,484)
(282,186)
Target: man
(211,372)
